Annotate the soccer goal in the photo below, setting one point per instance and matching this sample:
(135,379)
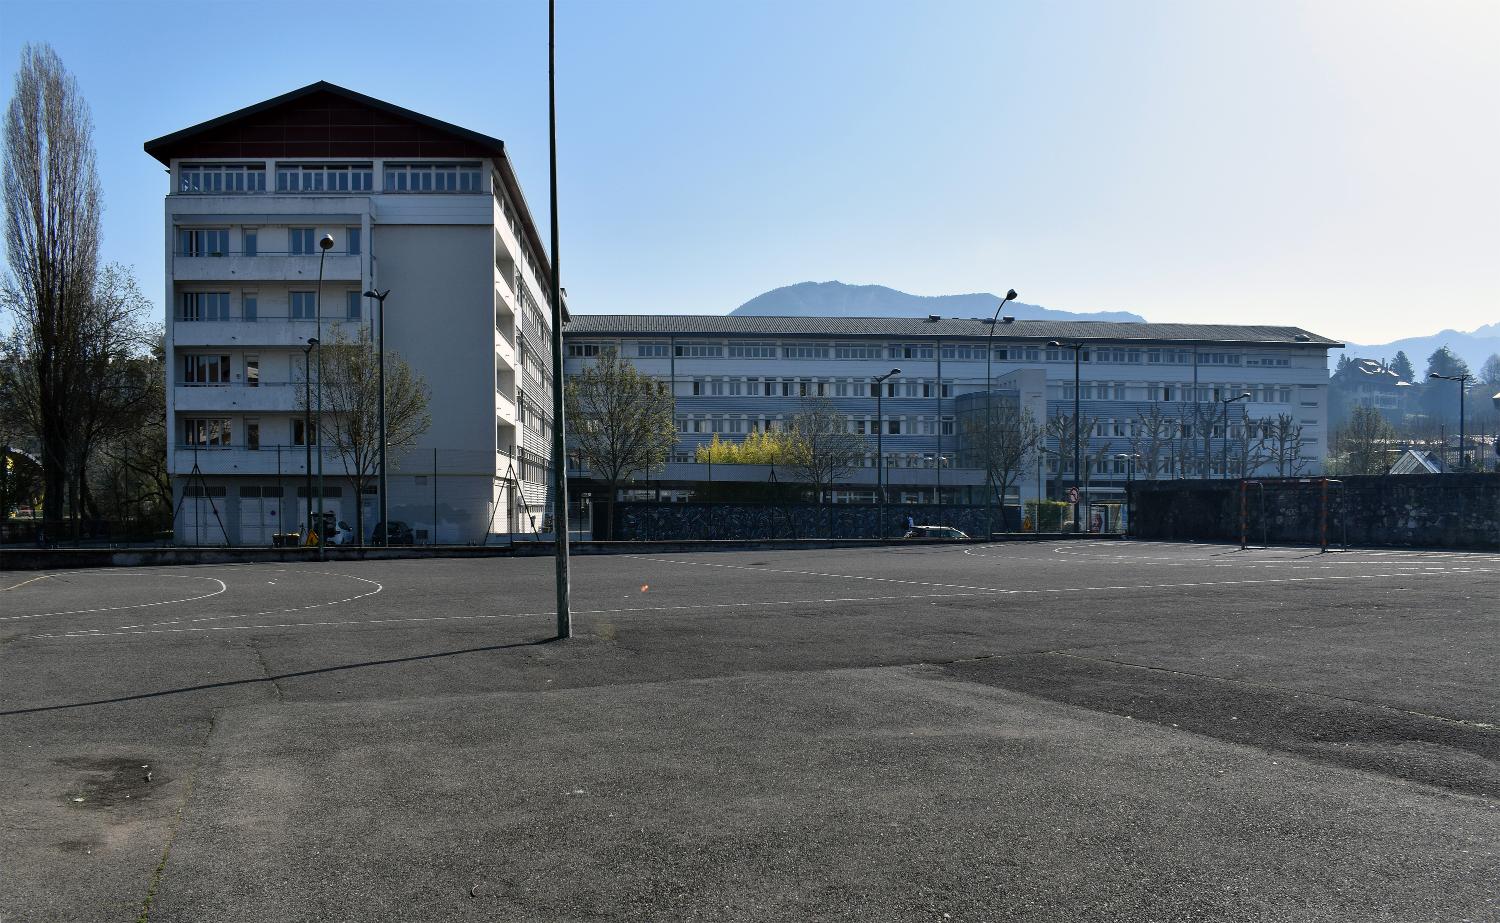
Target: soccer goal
(1294,510)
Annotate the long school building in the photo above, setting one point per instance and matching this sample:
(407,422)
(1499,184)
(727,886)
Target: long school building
(427,210)
(1155,398)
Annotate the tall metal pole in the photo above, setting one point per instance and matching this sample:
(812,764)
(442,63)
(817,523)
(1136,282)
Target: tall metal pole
(559,435)
(989,420)
(880,445)
(324,243)
(379,297)
(1077,439)
(1461,381)
(307,431)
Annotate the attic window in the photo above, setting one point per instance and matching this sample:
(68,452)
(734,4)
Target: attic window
(434,177)
(212,178)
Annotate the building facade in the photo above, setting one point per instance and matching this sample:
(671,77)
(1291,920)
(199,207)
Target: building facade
(1154,400)
(427,210)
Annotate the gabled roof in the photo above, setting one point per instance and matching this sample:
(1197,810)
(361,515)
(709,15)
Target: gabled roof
(1415,462)
(326,120)
(916,327)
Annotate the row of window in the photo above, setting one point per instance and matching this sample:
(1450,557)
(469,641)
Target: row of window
(219,178)
(218,432)
(735,349)
(932,425)
(300,242)
(215,306)
(908,388)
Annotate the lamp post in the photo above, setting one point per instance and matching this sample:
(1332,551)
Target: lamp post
(1463,384)
(1077,440)
(307,430)
(325,243)
(880,445)
(1224,455)
(989,419)
(379,297)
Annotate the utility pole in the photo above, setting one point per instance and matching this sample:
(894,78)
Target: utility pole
(559,435)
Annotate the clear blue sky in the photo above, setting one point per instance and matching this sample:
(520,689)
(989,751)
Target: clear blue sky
(1330,164)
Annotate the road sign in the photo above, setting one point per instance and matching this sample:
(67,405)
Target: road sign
(1072,495)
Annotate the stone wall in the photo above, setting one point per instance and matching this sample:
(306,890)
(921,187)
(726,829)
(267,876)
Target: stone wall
(700,521)
(1426,510)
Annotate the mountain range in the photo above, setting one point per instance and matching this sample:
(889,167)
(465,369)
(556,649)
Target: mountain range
(839,299)
(812,299)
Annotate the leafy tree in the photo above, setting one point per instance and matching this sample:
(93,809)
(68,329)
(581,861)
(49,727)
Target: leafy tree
(51,197)
(1445,362)
(1344,364)
(770,447)
(1402,366)
(351,409)
(620,421)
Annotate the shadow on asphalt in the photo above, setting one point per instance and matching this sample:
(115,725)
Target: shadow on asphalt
(279,676)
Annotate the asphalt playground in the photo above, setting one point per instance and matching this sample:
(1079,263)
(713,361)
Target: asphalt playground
(1068,731)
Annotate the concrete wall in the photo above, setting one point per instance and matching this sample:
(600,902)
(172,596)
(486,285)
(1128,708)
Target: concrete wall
(1437,510)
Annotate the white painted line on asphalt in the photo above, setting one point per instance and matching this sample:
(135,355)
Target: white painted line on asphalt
(166,602)
(24,582)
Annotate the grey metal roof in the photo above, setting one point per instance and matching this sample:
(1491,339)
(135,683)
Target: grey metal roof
(916,327)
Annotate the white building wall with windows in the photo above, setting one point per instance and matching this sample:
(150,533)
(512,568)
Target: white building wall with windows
(452,241)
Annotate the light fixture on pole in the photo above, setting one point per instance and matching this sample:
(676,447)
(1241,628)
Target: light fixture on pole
(307,432)
(1463,385)
(989,418)
(1224,454)
(1077,437)
(379,297)
(324,245)
(880,445)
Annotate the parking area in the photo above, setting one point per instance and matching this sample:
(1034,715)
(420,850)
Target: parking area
(1037,731)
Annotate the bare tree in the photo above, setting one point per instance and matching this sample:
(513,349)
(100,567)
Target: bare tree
(822,451)
(1003,438)
(620,421)
(351,409)
(51,194)
(1366,445)
(1151,440)
(1283,441)
(1247,448)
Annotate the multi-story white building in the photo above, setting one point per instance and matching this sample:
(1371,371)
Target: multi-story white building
(1152,393)
(428,210)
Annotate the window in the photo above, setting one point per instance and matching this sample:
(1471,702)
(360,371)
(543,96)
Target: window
(434,177)
(198,306)
(302,241)
(583,350)
(304,305)
(805,351)
(351,241)
(945,426)
(202,241)
(249,306)
(356,177)
(649,350)
(893,427)
(352,305)
(752,350)
(205,432)
(300,431)
(252,371)
(252,434)
(205,370)
(910,351)
(251,237)
(210,178)
(699,351)
(855,351)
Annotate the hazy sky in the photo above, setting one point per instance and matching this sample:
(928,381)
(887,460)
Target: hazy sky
(1330,164)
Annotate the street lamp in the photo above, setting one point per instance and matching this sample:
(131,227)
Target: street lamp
(312,344)
(1077,441)
(324,245)
(1463,384)
(1224,455)
(880,445)
(989,417)
(379,297)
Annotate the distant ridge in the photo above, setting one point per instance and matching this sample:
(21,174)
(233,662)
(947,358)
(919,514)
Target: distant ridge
(837,299)
(1473,347)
